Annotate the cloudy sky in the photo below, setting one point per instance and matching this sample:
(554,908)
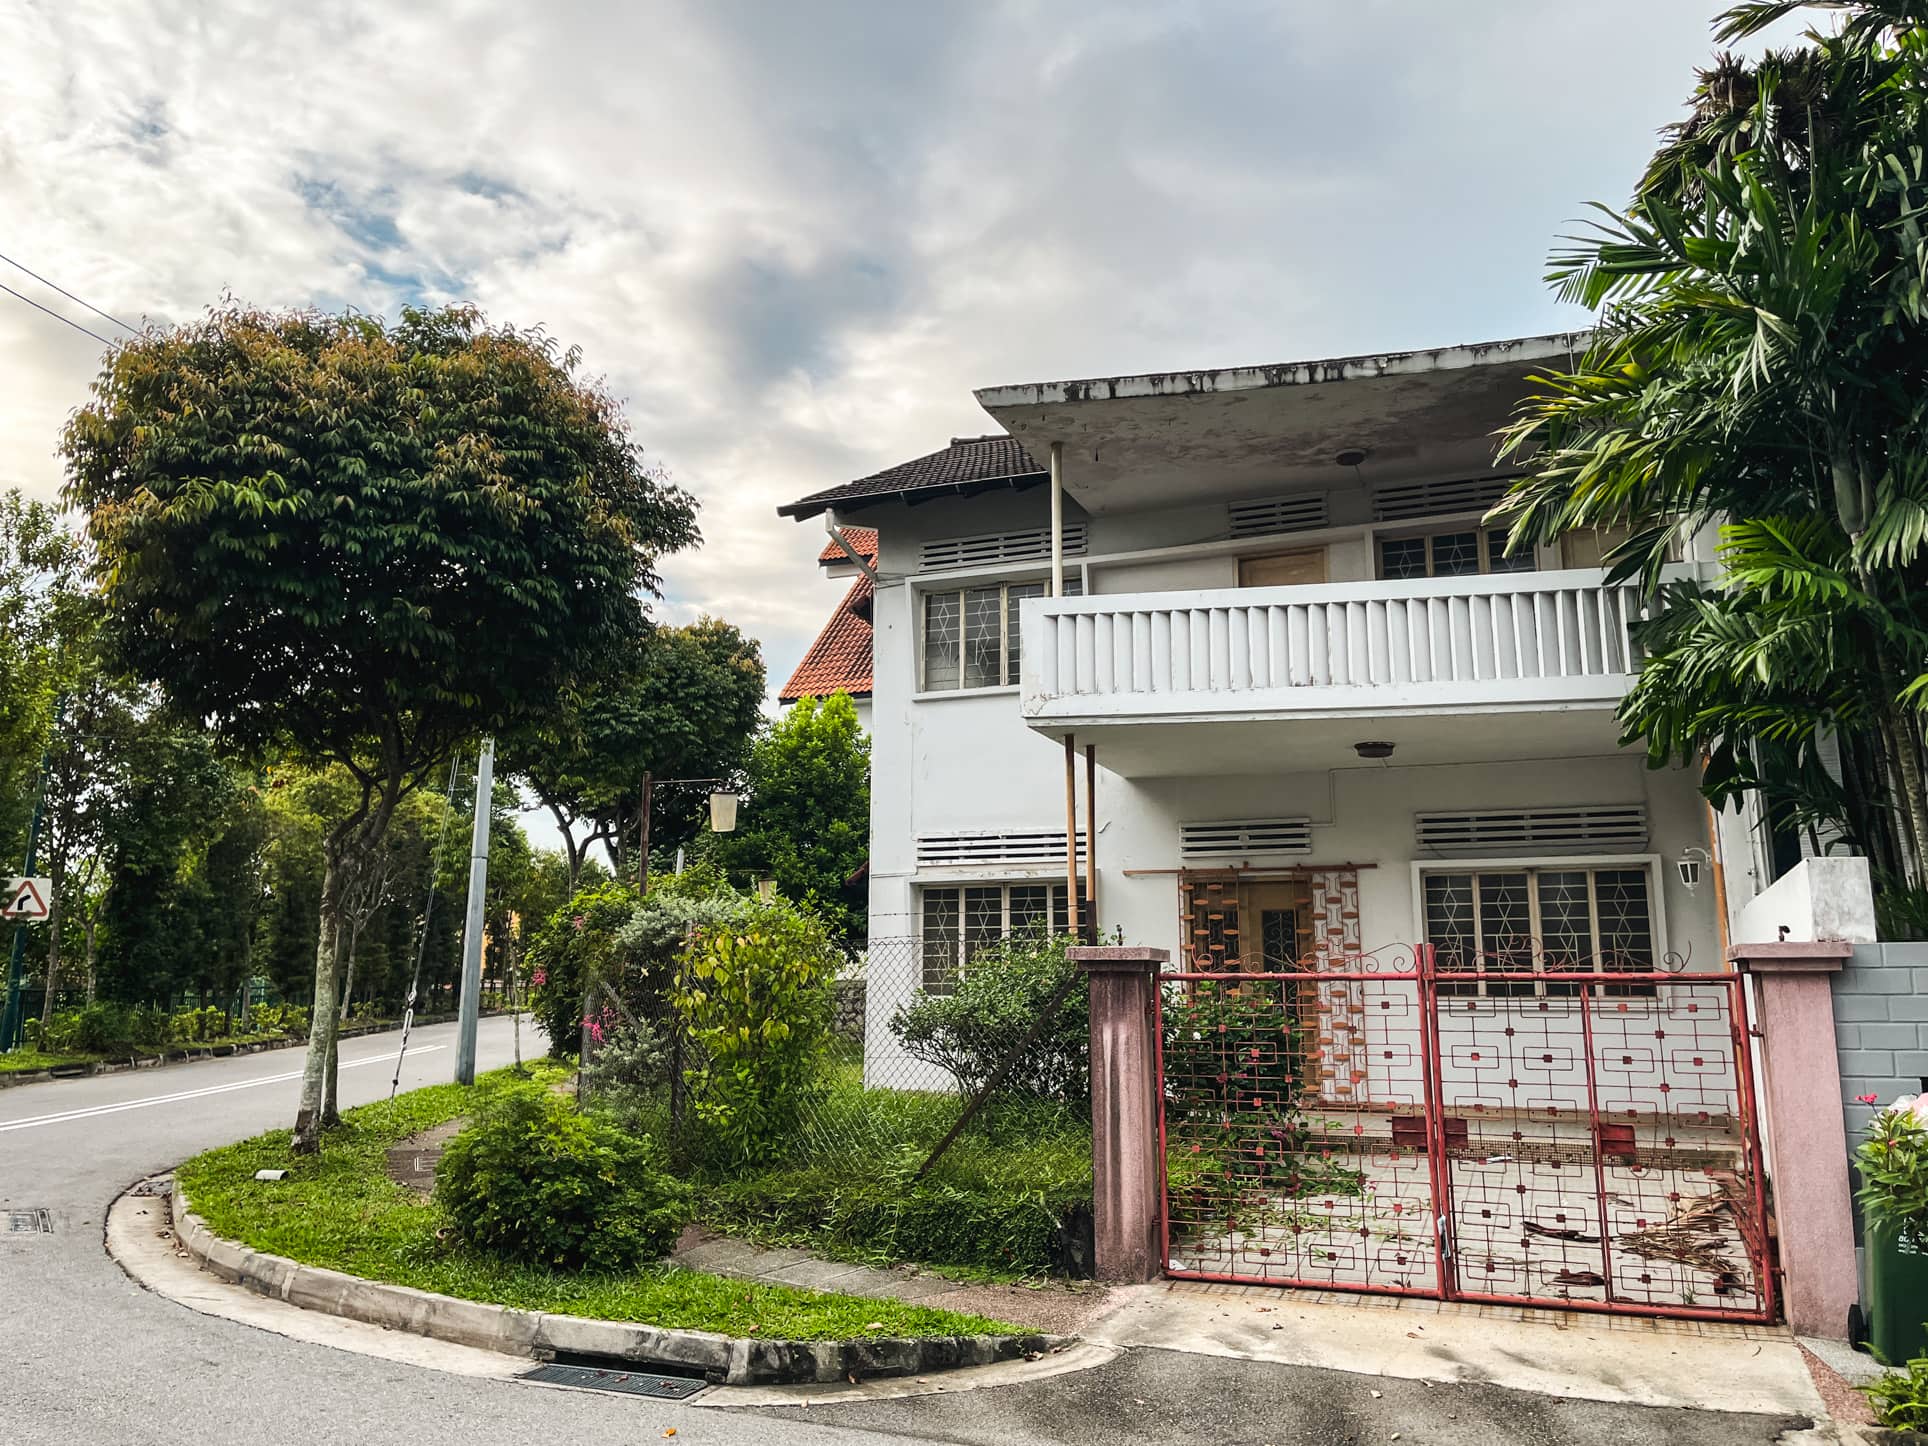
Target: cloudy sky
(795,235)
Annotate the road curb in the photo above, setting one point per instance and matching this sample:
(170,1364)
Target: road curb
(722,1360)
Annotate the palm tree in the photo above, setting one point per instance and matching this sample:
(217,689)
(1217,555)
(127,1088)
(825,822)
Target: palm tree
(1761,366)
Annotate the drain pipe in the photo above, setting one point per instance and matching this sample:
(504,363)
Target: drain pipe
(836,532)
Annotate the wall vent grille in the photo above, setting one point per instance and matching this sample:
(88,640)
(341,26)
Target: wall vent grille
(991,548)
(1272,515)
(1243,838)
(971,850)
(1411,500)
(1578,829)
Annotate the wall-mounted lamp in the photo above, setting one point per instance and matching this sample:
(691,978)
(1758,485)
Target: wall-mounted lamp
(1373,748)
(1689,864)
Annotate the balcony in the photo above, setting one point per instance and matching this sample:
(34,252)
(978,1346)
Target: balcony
(1536,644)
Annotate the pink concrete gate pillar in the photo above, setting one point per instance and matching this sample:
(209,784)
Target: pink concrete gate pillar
(1807,1138)
(1127,1228)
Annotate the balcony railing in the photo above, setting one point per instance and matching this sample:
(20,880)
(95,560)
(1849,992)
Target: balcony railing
(1511,640)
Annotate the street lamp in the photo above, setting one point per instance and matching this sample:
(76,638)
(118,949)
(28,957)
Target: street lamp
(722,817)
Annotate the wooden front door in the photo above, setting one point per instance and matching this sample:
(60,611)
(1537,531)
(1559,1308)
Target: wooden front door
(1277,918)
(1304,567)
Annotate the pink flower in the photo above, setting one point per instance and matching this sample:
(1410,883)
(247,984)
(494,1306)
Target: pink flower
(1867,1099)
(539,978)
(580,921)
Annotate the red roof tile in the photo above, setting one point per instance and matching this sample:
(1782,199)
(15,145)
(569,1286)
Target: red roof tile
(839,660)
(864,539)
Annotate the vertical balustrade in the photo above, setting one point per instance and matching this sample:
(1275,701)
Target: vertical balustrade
(1272,641)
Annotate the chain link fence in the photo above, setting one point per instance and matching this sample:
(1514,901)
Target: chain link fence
(936,1085)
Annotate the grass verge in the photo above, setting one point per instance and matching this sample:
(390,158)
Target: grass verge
(341,1211)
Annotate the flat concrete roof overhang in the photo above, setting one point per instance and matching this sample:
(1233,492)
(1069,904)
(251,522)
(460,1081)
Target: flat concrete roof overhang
(1163,437)
(1206,747)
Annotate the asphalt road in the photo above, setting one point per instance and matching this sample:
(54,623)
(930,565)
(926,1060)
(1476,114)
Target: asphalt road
(89,1357)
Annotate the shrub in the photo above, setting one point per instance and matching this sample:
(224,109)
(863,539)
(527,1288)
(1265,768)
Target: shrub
(576,946)
(754,998)
(1894,1168)
(648,949)
(533,1180)
(996,1003)
(1901,1397)
(114,1029)
(626,1071)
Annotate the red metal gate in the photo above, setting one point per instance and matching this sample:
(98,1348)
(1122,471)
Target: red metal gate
(1572,1139)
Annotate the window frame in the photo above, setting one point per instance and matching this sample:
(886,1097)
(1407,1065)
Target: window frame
(1056,912)
(1428,531)
(1648,863)
(960,591)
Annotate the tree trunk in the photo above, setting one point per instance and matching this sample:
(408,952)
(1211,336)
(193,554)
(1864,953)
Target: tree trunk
(348,977)
(1903,749)
(323,1017)
(53,949)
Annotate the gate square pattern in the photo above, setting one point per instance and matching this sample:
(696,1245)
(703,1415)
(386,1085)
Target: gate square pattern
(1586,1141)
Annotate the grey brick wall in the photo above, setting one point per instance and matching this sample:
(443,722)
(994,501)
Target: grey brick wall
(1881,1026)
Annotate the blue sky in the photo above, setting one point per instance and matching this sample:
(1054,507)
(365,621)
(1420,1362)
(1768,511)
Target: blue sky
(794,237)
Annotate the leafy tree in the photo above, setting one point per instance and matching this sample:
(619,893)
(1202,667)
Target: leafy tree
(806,820)
(361,545)
(1761,366)
(44,613)
(684,705)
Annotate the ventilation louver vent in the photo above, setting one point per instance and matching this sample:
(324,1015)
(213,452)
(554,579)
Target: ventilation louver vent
(1435,499)
(996,547)
(965,850)
(1553,830)
(1244,838)
(1278,514)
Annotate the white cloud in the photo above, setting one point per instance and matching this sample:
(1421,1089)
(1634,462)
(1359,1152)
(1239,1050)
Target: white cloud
(795,237)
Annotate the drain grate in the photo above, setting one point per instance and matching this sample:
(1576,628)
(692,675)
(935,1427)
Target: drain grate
(154,1185)
(630,1383)
(29,1222)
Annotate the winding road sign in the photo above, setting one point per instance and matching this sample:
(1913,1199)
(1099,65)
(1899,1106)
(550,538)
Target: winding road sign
(27,901)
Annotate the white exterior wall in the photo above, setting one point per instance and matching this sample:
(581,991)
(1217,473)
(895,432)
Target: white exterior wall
(960,762)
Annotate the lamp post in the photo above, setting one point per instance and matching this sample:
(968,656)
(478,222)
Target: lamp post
(722,817)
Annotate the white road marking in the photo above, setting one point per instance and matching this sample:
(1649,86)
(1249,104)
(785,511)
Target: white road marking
(221,1089)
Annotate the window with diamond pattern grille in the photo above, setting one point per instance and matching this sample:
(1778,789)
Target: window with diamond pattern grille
(1455,552)
(970,637)
(957,921)
(1537,923)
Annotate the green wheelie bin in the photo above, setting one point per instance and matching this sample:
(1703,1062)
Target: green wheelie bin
(1897,1294)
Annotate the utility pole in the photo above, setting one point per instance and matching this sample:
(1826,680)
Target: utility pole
(11,1019)
(471,1005)
(642,868)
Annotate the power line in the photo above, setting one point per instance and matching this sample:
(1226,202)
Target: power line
(55,315)
(106,315)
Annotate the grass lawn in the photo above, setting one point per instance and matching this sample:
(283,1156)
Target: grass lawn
(27,1061)
(341,1211)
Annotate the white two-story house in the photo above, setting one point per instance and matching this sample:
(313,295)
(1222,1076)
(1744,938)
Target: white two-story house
(1321,704)
(1230,663)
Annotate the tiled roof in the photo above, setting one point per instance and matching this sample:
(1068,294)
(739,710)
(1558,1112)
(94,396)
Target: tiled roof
(969,464)
(839,660)
(864,539)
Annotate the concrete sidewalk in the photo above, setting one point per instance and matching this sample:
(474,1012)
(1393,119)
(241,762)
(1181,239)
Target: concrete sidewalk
(1056,1308)
(1570,1354)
